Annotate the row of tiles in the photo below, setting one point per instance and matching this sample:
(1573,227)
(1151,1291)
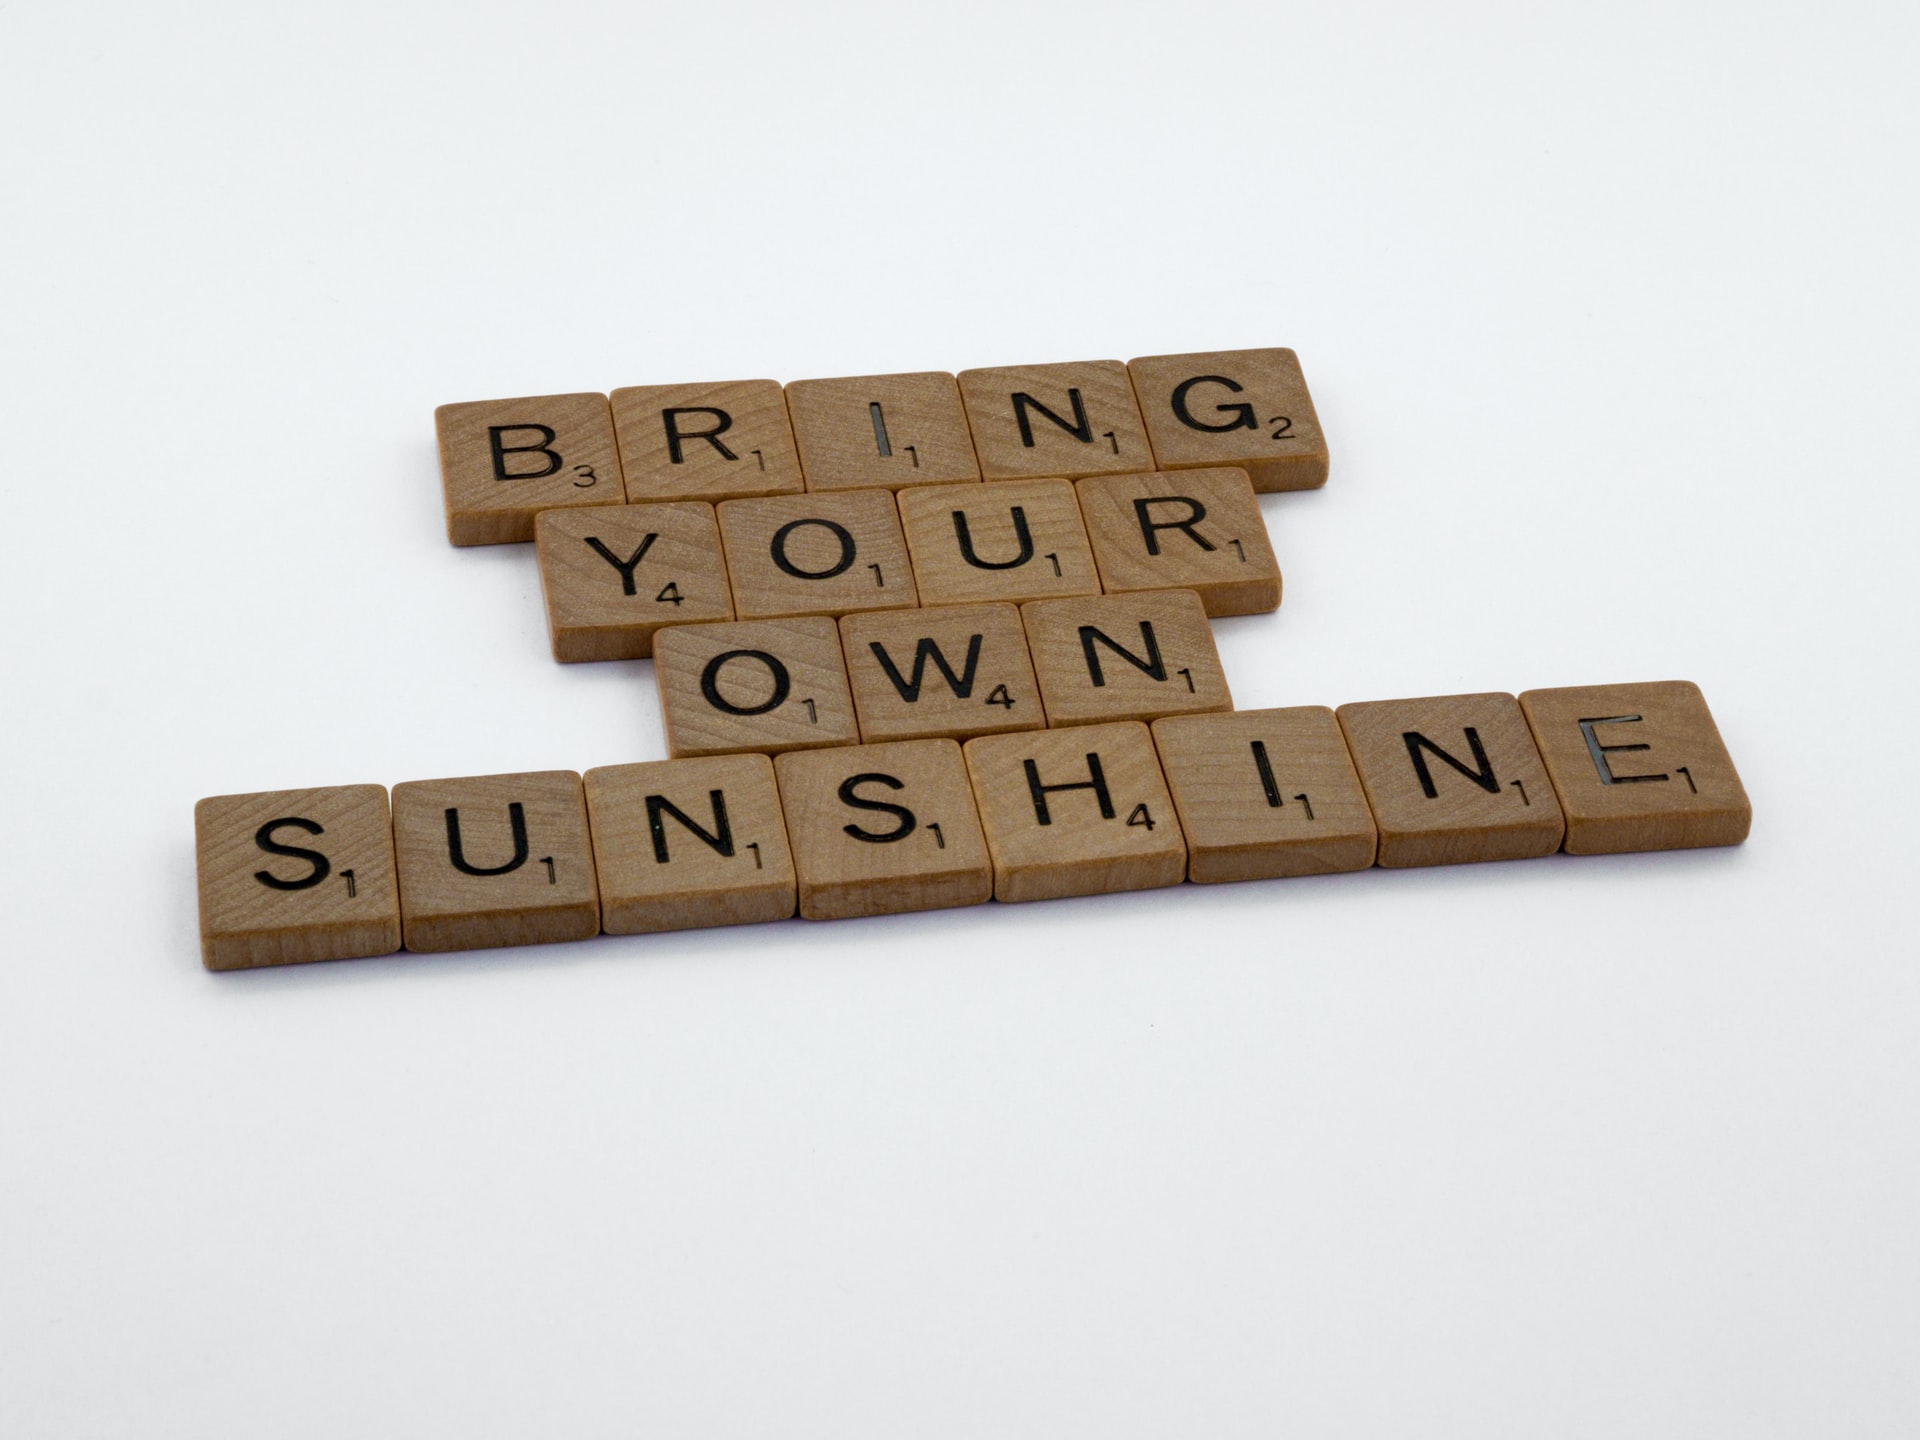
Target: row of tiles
(504,461)
(949,672)
(926,824)
(615,575)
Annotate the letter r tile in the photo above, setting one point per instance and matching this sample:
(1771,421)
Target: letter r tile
(713,441)
(1638,767)
(1198,530)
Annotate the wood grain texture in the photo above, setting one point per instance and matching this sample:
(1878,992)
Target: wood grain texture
(880,829)
(490,860)
(1265,793)
(1248,408)
(918,437)
(1452,780)
(1016,540)
(325,891)
(689,844)
(1096,429)
(1638,767)
(949,672)
(1083,811)
(816,555)
(1198,530)
(753,685)
(712,441)
(615,574)
(504,461)
(1124,657)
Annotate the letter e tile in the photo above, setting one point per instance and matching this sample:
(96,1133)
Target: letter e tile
(1638,767)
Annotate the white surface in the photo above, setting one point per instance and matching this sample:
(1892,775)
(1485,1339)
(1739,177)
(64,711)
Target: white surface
(1609,315)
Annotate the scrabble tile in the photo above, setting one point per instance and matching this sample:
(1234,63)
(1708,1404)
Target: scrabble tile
(816,555)
(1037,420)
(951,672)
(881,430)
(1082,811)
(686,844)
(1016,540)
(504,461)
(1124,657)
(494,860)
(1248,408)
(1638,767)
(1198,530)
(293,875)
(878,829)
(1452,779)
(1264,793)
(615,574)
(710,441)
(765,685)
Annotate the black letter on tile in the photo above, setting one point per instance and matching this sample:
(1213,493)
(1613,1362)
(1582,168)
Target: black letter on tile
(1483,777)
(516,817)
(709,687)
(1153,666)
(1097,783)
(1081,429)
(675,434)
(721,839)
(1021,533)
(840,533)
(1244,418)
(1150,528)
(627,566)
(322,867)
(901,812)
(1600,752)
(961,684)
(500,452)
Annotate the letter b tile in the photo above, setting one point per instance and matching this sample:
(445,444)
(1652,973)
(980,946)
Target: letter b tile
(494,860)
(1452,779)
(504,461)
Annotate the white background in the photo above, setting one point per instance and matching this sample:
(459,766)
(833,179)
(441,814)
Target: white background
(1609,313)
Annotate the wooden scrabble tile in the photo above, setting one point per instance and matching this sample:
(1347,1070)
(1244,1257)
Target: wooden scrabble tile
(1073,419)
(294,875)
(1638,767)
(1198,530)
(765,685)
(1124,657)
(615,574)
(1264,793)
(951,672)
(1082,811)
(1233,407)
(881,430)
(710,441)
(878,829)
(685,844)
(1016,540)
(816,555)
(494,860)
(504,461)
(1452,779)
